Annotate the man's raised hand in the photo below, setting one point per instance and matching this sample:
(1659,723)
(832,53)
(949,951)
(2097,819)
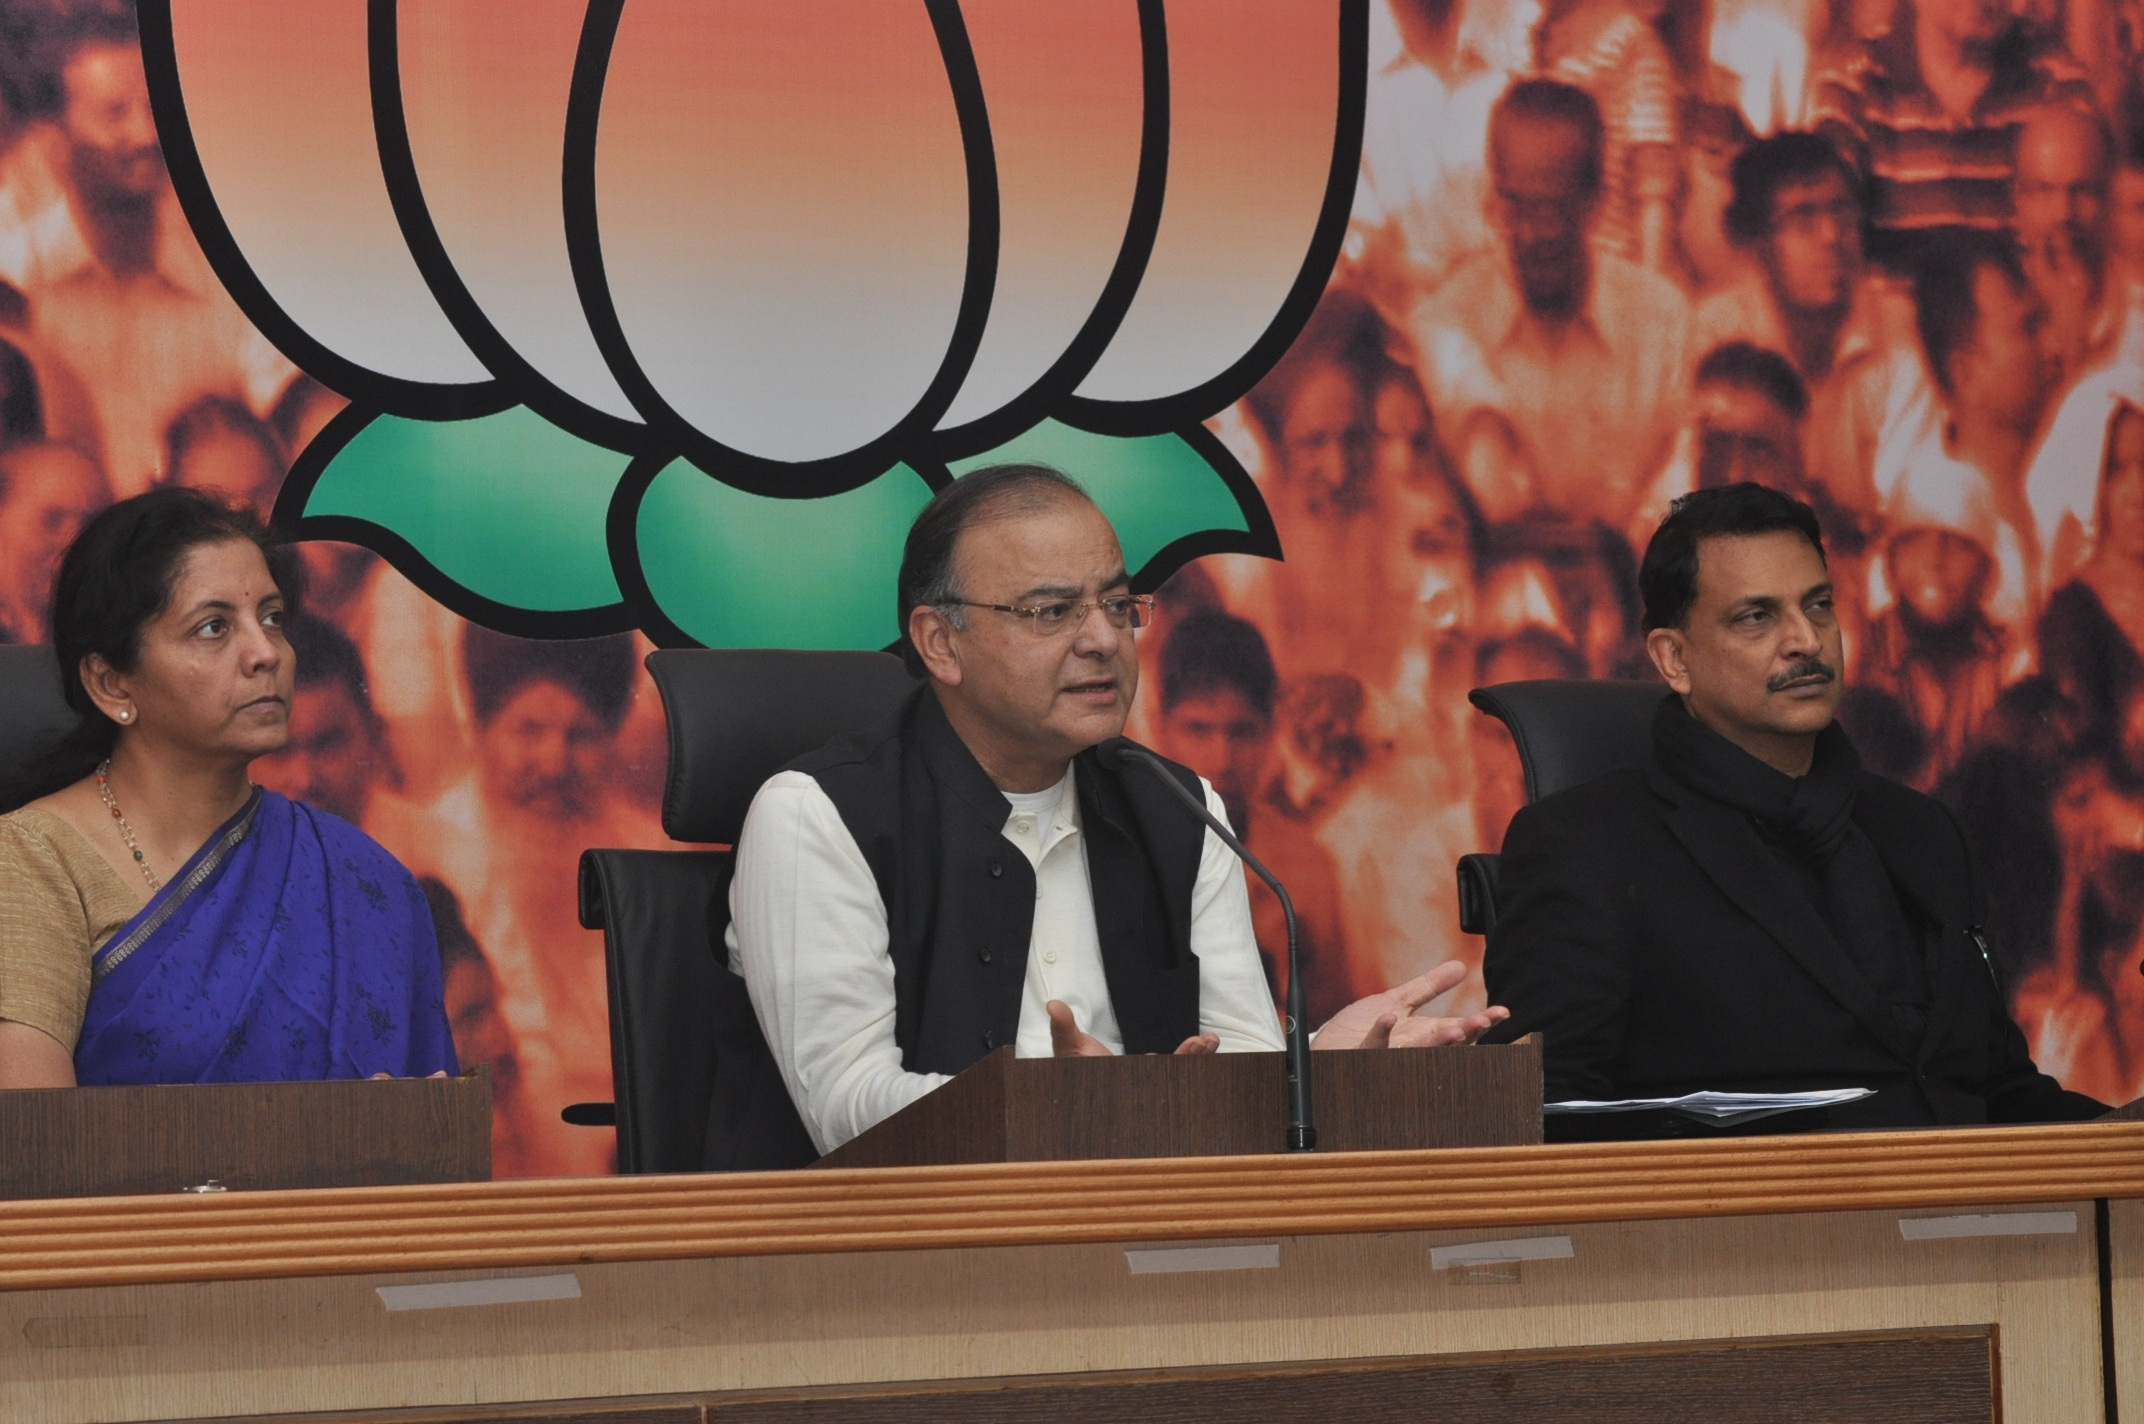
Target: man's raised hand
(1067,1038)
(1389,1020)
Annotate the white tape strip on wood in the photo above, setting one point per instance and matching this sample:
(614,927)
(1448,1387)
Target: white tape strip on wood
(1482,1253)
(1205,1258)
(2009,1223)
(501,1290)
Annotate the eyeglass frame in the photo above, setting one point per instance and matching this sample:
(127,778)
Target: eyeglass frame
(1144,603)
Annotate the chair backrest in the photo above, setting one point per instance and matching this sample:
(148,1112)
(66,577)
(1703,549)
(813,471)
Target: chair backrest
(33,711)
(735,719)
(738,716)
(1569,732)
(652,906)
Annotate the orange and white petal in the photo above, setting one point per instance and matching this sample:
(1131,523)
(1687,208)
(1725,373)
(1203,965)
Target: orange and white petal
(1254,99)
(1064,84)
(781,196)
(485,85)
(279,106)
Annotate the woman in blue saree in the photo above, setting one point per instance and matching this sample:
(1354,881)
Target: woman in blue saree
(162,920)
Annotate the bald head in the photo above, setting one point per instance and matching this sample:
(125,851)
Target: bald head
(2065,162)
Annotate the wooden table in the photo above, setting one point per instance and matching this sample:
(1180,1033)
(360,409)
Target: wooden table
(1748,1278)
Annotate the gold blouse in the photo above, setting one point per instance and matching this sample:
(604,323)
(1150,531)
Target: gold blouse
(59,902)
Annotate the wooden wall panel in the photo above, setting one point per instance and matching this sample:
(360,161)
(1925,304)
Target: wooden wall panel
(303,1344)
(1913,1377)
(488,1225)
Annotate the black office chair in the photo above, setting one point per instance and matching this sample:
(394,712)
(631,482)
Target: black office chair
(1568,732)
(33,711)
(735,719)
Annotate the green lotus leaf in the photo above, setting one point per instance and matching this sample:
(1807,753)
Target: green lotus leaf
(509,506)
(737,570)
(1158,490)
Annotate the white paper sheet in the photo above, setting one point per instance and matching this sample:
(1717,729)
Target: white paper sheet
(1725,1109)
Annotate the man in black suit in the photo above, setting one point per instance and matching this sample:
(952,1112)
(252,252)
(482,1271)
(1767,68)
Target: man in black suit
(1753,911)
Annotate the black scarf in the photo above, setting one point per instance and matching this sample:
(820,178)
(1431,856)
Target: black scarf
(1808,822)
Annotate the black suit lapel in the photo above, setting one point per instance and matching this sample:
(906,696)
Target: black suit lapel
(1932,893)
(1728,849)
(955,768)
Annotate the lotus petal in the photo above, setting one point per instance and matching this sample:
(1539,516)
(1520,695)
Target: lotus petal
(1065,88)
(278,112)
(782,202)
(1254,102)
(1172,497)
(484,85)
(733,570)
(501,514)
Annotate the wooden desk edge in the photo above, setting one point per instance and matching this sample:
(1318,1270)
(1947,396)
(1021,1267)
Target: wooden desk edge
(527,1224)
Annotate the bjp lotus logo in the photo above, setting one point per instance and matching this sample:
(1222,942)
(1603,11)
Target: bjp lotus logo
(672,313)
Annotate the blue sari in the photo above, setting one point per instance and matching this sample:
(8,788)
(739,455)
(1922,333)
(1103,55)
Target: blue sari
(291,947)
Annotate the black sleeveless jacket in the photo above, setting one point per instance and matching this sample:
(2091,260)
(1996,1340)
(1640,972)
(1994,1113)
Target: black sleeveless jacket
(960,904)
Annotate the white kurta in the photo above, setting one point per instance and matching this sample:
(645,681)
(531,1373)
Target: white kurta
(808,931)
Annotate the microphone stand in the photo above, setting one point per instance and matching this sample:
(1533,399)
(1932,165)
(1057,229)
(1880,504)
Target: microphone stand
(1302,1134)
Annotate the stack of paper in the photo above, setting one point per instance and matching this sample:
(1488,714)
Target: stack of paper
(1725,1109)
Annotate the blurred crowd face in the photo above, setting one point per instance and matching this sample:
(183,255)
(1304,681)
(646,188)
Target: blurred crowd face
(108,121)
(2121,532)
(1226,737)
(333,753)
(1543,171)
(1813,256)
(1743,434)
(227,460)
(546,751)
(1758,657)
(214,677)
(2125,220)
(1406,436)
(2002,372)
(1708,189)
(1328,442)
(52,490)
(1940,576)
(471,993)
(1324,716)
(2060,190)
(1971,25)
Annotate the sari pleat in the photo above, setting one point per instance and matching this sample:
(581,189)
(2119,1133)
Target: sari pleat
(291,947)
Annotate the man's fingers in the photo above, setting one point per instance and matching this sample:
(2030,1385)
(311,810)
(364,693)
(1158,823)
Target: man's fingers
(1200,1043)
(1064,1028)
(1424,987)
(1423,1032)
(1380,1034)
(1067,1039)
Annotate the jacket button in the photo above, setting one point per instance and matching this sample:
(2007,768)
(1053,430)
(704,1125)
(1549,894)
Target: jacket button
(996,869)
(983,955)
(990,1040)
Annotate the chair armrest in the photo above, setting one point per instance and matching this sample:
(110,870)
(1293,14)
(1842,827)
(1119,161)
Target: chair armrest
(1477,894)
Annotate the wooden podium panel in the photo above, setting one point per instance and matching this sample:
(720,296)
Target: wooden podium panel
(1007,1109)
(101,1142)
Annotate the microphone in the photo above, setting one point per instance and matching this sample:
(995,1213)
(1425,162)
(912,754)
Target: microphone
(1117,754)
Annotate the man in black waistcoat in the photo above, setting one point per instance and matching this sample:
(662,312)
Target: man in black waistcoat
(1753,912)
(967,875)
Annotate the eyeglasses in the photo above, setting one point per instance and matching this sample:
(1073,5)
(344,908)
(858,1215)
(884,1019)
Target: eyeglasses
(1124,610)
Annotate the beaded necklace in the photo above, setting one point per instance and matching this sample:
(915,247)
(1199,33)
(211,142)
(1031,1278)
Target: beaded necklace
(126,832)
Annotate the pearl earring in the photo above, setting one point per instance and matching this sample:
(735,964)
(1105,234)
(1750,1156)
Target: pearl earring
(126,716)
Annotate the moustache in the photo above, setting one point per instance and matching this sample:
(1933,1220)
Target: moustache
(1800,671)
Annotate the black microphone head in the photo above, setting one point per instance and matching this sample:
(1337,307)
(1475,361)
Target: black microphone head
(1112,753)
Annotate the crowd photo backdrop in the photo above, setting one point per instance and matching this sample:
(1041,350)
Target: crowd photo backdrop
(1384,330)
